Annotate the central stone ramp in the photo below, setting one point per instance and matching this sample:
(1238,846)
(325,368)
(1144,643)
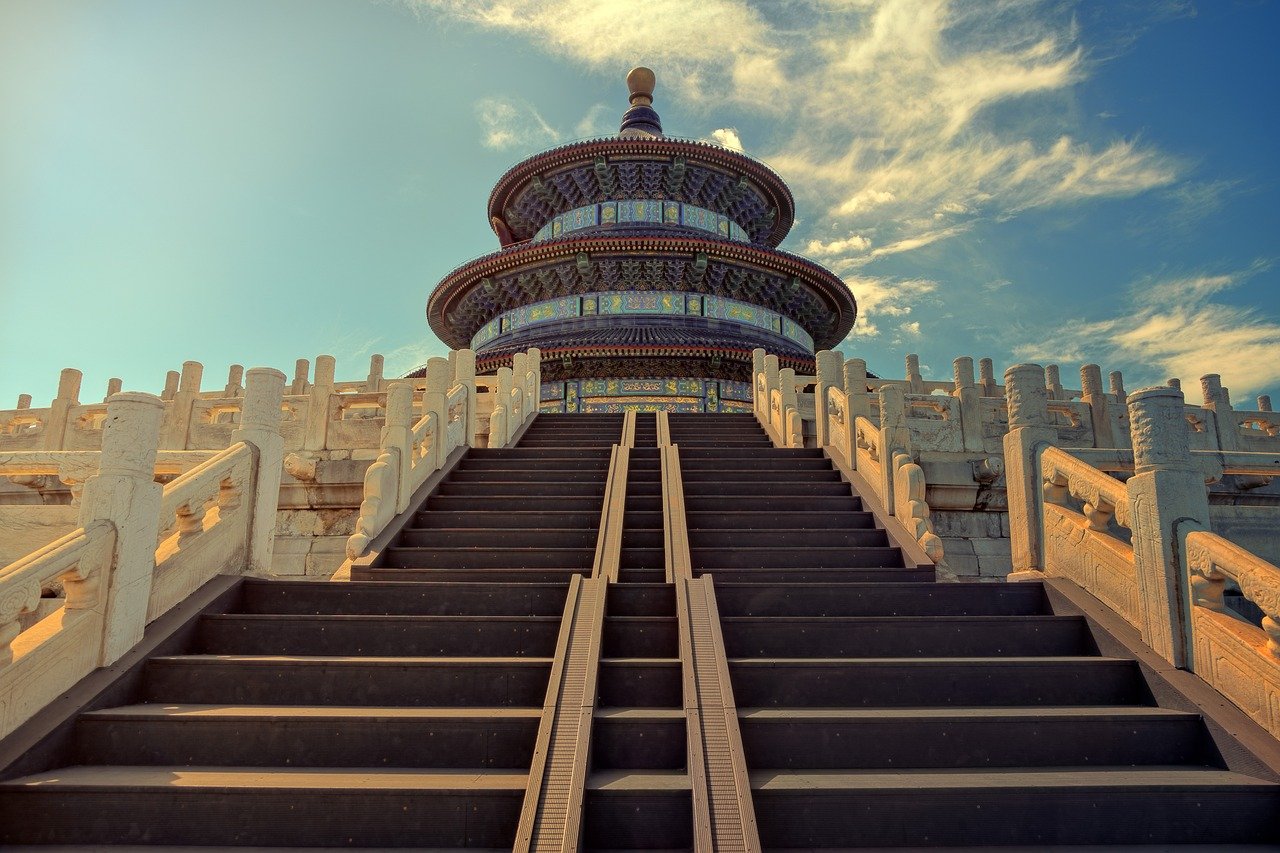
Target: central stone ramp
(310,714)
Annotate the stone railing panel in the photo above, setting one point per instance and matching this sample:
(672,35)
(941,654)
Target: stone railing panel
(204,527)
(1240,660)
(934,422)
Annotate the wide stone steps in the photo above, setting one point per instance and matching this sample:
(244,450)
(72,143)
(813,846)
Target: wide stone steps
(390,598)
(260,806)
(308,736)
(885,599)
(408,557)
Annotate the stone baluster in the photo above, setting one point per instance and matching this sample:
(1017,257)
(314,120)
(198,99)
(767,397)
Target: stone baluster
(24,401)
(757,370)
(503,402)
(1029,433)
(435,401)
(1218,403)
(1117,388)
(772,382)
(1174,383)
(68,397)
(316,434)
(1167,499)
(301,368)
(397,437)
(374,382)
(170,385)
(235,376)
(519,375)
(830,368)
(855,387)
(260,427)
(1264,403)
(114,385)
(914,379)
(967,394)
(894,437)
(464,373)
(177,415)
(987,377)
(535,365)
(1091,393)
(1053,383)
(790,403)
(124,492)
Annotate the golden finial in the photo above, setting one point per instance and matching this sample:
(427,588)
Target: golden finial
(640,83)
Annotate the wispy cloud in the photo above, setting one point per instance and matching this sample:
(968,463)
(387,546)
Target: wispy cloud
(885,297)
(728,137)
(1175,327)
(506,123)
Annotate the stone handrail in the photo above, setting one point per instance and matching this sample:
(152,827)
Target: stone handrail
(1240,660)
(867,456)
(204,527)
(1103,497)
(39,664)
(840,427)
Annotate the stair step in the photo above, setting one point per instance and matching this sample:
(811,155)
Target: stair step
(846,503)
(407,557)
(512,503)
(308,735)
(818,577)
(847,537)
(503,521)
(888,599)
(583,536)
(852,516)
(276,806)
(773,488)
(711,559)
(496,488)
(640,683)
(639,739)
(418,636)
(410,599)
(638,809)
(712,477)
(1044,806)
(641,637)
(927,682)
(901,738)
(524,476)
(503,576)
(312,680)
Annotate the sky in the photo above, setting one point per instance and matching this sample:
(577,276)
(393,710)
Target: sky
(254,181)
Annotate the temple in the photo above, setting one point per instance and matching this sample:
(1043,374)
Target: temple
(643,564)
(645,269)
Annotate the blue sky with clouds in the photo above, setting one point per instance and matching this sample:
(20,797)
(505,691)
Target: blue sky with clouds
(254,181)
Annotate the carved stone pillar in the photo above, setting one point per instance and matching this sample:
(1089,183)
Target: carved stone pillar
(830,366)
(260,427)
(1092,395)
(1167,498)
(967,395)
(1029,433)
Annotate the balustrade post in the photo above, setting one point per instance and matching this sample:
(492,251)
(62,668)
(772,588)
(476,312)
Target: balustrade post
(435,401)
(375,383)
(397,434)
(987,377)
(24,401)
(260,427)
(761,406)
(830,366)
(855,388)
(1053,383)
(1092,395)
(535,365)
(125,493)
(1264,403)
(170,385)
(894,438)
(464,373)
(790,403)
(235,376)
(1218,404)
(1117,388)
(967,394)
(503,401)
(177,417)
(316,436)
(1174,383)
(300,369)
(1029,433)
(114,386)
(519,376)
(771,384)
(914,380)
(1167,499)
(68,396)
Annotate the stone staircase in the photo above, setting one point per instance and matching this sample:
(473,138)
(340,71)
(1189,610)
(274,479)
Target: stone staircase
(474,687)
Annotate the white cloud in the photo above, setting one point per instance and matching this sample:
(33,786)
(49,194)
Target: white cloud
(911,329)
(888,297)
(728,137)
(507,124)
(854,243)
(1173,327)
